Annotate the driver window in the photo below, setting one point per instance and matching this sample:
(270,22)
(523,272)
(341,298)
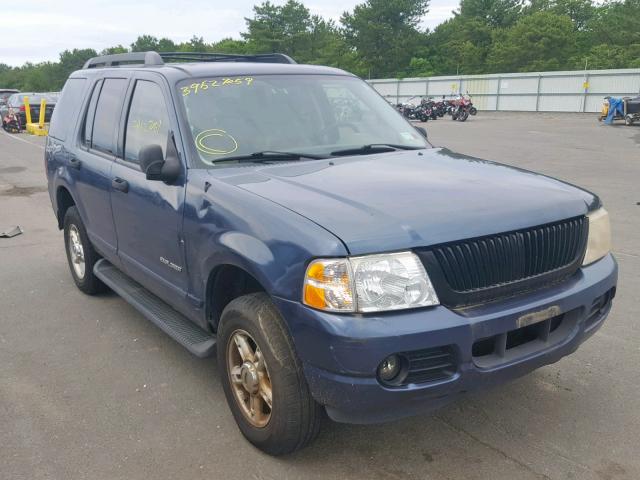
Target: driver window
(148,120)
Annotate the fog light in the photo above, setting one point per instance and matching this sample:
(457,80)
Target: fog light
(389,368)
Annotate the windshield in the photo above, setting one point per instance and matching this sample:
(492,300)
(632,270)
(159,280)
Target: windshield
(306,114)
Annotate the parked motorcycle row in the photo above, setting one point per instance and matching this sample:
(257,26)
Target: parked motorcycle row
(459,108)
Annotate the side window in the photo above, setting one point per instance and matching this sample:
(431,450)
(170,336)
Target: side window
(148,120)
(87,128)
(66,110)
(107,114)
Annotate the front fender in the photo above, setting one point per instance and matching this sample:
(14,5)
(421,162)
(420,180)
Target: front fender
(243,251)
(224,224)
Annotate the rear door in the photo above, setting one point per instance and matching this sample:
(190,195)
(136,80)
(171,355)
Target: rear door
(148,214)
(93,160)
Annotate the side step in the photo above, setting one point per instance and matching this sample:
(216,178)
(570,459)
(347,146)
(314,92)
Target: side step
(177,326)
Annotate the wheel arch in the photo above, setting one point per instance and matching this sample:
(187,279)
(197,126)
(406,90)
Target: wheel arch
(64,200)
(226,282)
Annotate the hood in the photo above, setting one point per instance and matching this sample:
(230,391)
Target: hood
(408,199)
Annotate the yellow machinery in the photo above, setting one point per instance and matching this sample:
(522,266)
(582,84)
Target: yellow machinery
(36,128)
(604,111)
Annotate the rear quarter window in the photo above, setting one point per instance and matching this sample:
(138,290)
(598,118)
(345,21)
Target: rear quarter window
(66,111)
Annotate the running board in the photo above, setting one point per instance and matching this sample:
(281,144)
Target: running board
(177,326)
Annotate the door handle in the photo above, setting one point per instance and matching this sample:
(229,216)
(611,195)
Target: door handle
(74,162)
(120,184)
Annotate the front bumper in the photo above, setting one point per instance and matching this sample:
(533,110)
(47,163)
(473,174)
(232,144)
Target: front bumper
(340,353)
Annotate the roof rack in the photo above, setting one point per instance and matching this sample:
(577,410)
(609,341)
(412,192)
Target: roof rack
(158,59)
(145,58)
(226,57)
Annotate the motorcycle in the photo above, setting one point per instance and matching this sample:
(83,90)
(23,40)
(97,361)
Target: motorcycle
(461,108)
(11,122)
(440,108)
(425,111)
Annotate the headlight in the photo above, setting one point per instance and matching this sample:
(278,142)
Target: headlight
(371,283)
(599,242)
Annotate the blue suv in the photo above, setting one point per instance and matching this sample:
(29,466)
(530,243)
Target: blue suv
(285,218)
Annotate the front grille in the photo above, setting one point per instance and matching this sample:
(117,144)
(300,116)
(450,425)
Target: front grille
(430,365)
(487,268)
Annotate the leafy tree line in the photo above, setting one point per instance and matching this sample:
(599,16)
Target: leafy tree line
(383,38)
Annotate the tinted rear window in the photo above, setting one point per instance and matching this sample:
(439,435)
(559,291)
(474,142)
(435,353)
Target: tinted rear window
(66,111)
(108,114)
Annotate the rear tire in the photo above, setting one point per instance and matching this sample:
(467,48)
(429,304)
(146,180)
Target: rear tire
(269,370)
(81,255)
(628,120)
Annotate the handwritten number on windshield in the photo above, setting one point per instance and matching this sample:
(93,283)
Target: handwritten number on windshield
(196,88)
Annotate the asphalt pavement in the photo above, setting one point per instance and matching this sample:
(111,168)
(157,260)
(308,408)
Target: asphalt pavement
(89,389)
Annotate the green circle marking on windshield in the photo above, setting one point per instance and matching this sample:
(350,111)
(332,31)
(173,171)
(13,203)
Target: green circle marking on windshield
(216,142)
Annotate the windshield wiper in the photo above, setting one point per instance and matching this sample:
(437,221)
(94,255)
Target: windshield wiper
(373,148)
(269,155)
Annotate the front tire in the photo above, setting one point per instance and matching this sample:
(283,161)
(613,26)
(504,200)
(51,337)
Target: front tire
(81,255)
(262,377)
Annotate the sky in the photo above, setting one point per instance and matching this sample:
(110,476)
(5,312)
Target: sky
(38,30)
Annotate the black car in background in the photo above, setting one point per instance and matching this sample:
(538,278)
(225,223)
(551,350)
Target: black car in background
(5,93)
(16,102)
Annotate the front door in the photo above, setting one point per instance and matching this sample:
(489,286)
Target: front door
(148,214)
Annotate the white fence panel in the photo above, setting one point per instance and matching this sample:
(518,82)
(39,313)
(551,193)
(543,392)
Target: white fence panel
(517,103)
(578,91)
(560,103)
(410,89)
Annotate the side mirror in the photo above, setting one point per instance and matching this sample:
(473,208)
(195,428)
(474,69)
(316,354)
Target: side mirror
(151,161)
(421,131)
(155,166)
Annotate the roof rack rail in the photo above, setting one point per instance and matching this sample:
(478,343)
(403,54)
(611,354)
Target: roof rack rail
(157,59)
(145,58)
(226,57)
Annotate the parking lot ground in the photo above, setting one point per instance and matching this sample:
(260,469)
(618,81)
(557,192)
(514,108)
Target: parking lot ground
(91,390)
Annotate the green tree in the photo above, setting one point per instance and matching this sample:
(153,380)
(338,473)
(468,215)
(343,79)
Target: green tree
(71,60)
(149,43)
(384,33)
(419,67)
(145,43)
(579,11)
(166,45)
(540,41)
(608,56)
(495,13)
(460,45)
(291,29)
(615,23)
(229,45)
(195,44)
(114,50)
(280,28)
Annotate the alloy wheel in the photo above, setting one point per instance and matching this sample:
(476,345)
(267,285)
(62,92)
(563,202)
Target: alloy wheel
(249,377)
